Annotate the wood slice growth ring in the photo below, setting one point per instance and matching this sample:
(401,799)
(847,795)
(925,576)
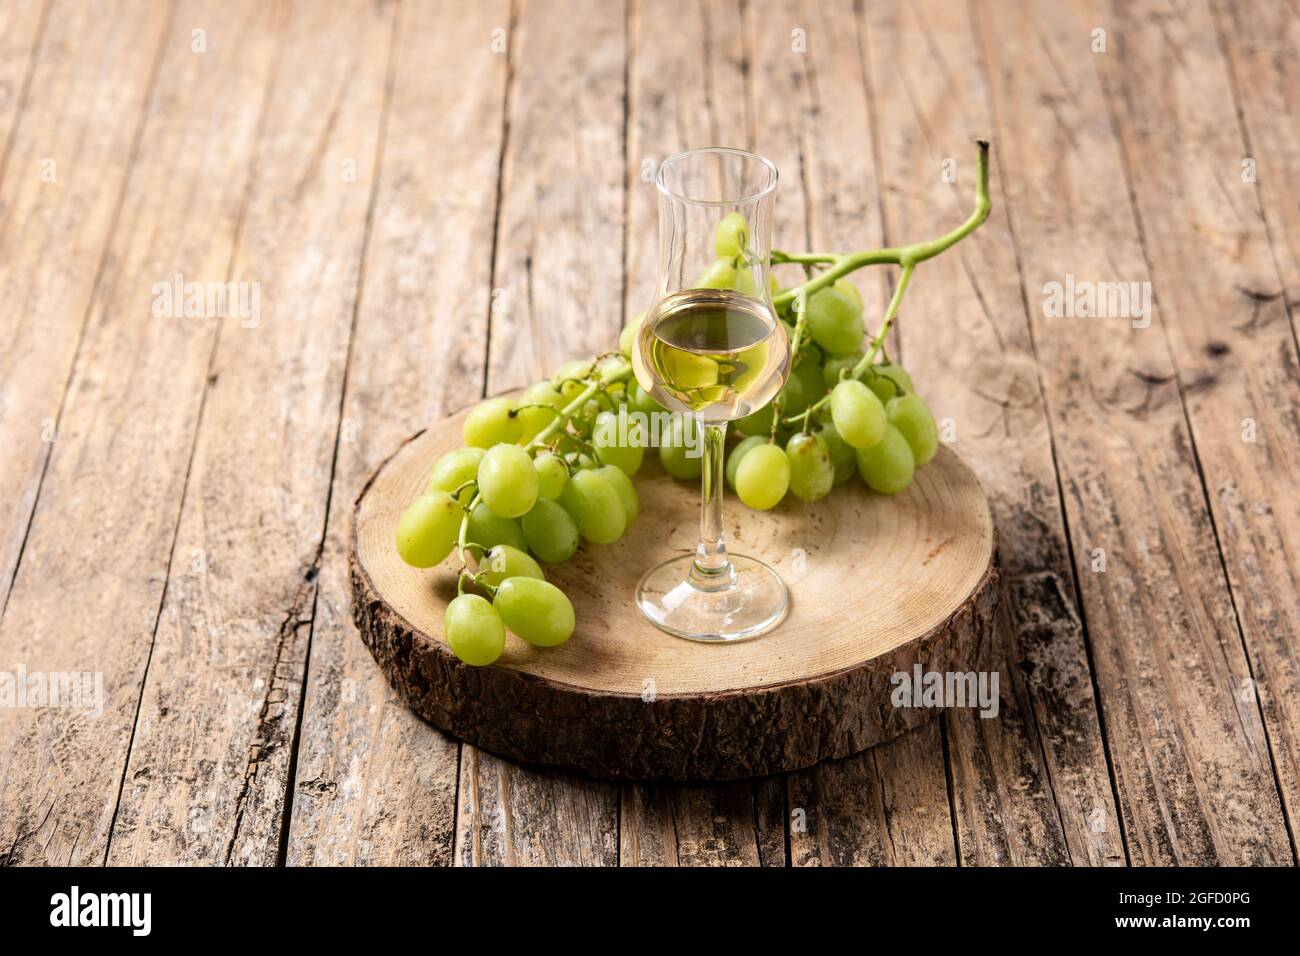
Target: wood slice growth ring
(878,585)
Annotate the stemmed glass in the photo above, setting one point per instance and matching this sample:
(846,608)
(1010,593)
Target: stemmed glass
(711,348)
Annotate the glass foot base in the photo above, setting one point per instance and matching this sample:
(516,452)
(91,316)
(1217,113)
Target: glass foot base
(755,603)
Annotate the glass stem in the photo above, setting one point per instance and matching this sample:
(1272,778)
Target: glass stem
(712,570)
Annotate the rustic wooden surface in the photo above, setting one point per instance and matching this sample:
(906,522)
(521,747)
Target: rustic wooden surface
(440,199)
(621,700)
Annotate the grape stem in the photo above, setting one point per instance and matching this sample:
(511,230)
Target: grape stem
(618,374)
(779,402)
(879,341)
(464,532)
(460,580)
(906,256)
(583,444)
(842,265)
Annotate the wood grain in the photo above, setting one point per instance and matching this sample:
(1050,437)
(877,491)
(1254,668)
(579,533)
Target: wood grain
(22,23)
(1224,302)
(1033,786)
(1087,434)
(621,699)
(687,87)
(206,780)
(88,592)
(1190,758)
(375,784)
(779,96)
(1259,43)
(708,825)
(888,806)
(557,286)
(836,128)
(817,78)
(63,162)
(558,273)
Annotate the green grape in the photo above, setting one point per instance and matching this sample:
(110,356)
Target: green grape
(626,490)
(857,413)
(739,452)
(536,610)
(911,416)
(811,385)
(757,422)
(427,530)
(503,562)
(550,531)
(833,321)
(566,376)
(888,465)
(545,393)
(585,417)
(792,398)
(493,422)
(725,274)
(474,630)
(847,289)
(610,364)
(763,477)
(552,475)
(489,529)
(574,368)
(596,507)
(688,371)
(508,481)
(535,419)
(454,469)
(747,282)
(605,437)
(811,473)
(732,236)
(639,400)
(571,390)
(841,452)
(720,275)
(677,459)
(627,337)
(837,363)
(888,379)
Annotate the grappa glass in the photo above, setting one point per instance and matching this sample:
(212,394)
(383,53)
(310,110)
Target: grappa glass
(711,348)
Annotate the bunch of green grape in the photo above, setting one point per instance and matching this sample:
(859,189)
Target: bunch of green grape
(540,472)
(826,425)
(535,475)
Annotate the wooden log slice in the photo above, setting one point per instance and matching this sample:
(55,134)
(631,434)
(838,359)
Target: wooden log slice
(878,584)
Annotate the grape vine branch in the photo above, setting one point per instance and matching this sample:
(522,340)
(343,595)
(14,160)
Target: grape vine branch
(555,427)
(841,265)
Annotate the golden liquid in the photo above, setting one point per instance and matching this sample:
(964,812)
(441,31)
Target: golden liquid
(712,353)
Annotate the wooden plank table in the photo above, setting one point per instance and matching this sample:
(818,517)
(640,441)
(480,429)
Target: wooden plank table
(439,200)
